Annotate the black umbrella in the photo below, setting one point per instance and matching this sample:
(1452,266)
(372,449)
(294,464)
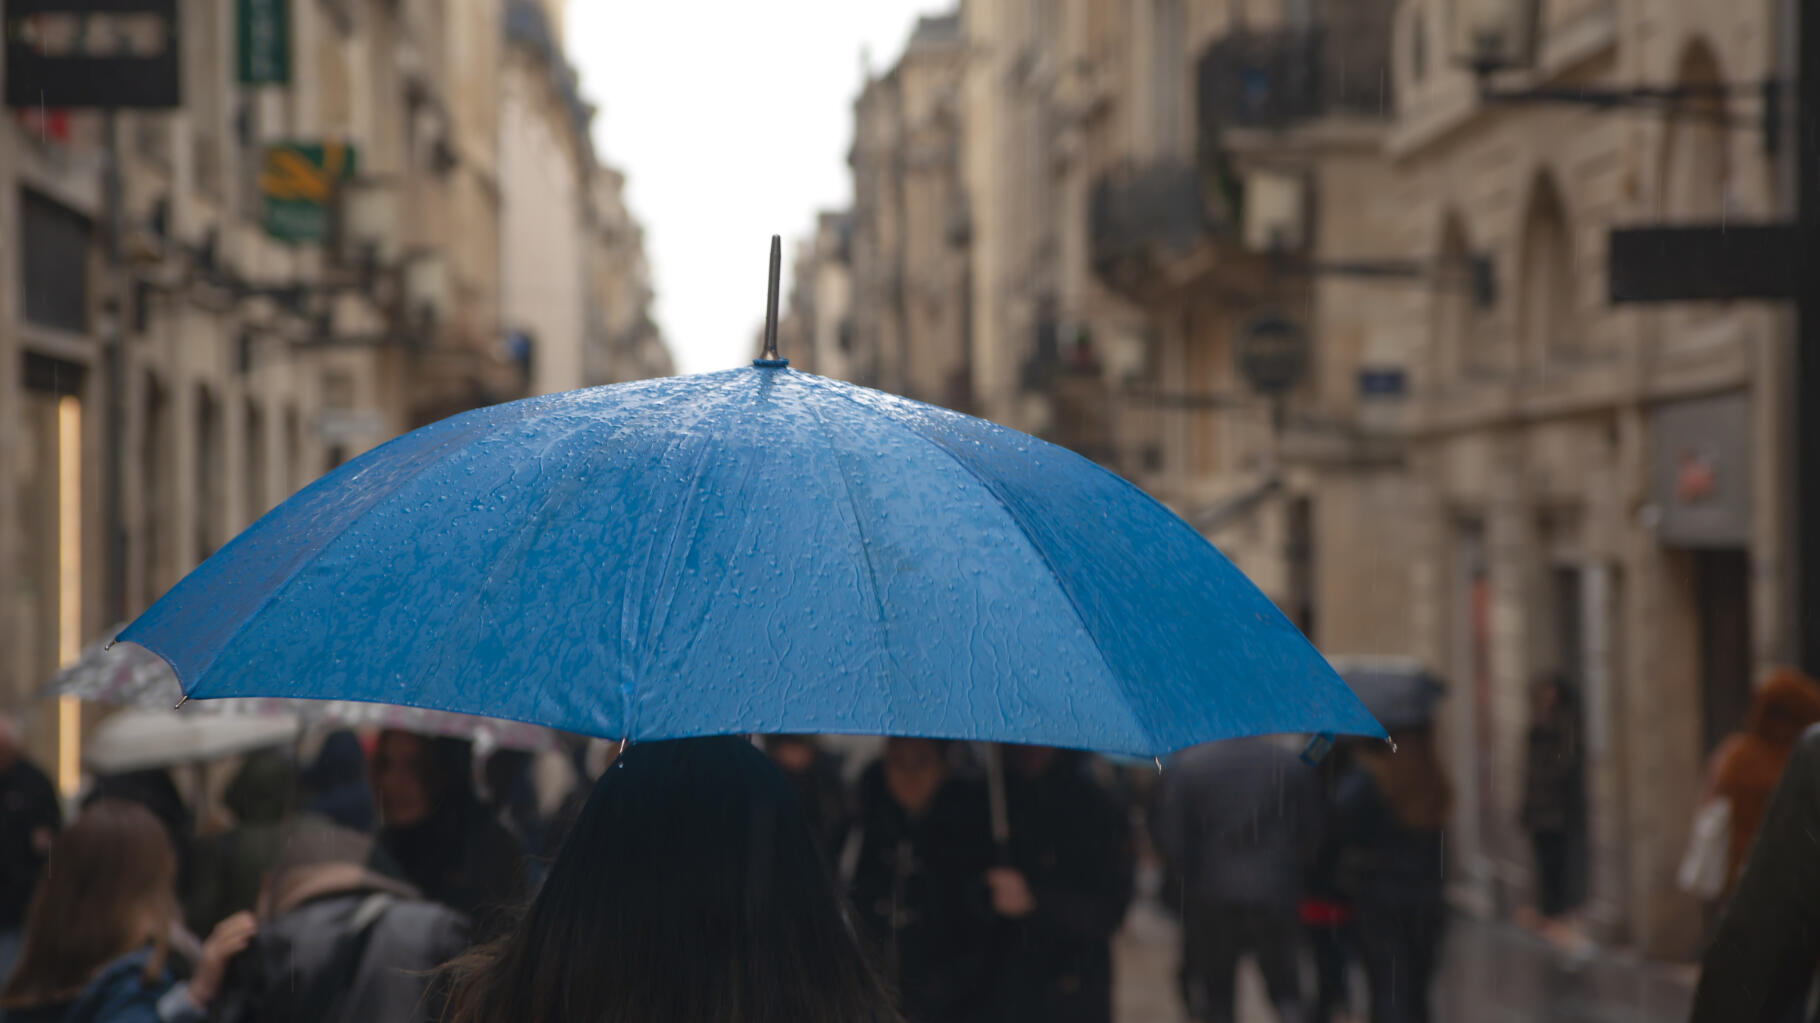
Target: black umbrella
(1399,692)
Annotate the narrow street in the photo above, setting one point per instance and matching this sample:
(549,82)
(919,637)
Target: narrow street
(1492,973)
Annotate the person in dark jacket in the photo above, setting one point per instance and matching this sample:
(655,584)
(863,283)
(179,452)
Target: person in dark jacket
(335,784)
(1390,815)
(1239,820)
(814,774)
(436,830)
(231,867)
(925,843)
(30,818)
(1554,797)
(1761,963)
(1065,891)
(341,938)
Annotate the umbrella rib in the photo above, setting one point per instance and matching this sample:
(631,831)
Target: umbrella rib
(878,602)
(1012,514)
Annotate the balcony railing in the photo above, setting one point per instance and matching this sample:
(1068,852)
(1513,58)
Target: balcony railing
(1273,79)
(1144,216)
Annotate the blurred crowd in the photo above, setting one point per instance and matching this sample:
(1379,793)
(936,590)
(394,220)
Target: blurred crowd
(981,883)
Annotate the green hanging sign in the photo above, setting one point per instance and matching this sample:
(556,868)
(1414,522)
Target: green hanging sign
(263,29)
(298,182)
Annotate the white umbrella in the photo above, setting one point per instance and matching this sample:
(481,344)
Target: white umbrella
(133,740)
(129,675)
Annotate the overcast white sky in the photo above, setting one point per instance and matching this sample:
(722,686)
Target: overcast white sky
(732,121)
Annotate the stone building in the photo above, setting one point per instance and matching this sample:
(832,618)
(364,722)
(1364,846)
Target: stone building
(1570,486)
(159,395)
(909,244)
(624,342)
(1472,456)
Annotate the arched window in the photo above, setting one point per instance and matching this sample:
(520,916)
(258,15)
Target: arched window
(1696,158)
(1458,349)
(1547,302)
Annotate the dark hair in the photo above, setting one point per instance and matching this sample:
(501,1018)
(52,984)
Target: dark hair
(691,890)
(108,889)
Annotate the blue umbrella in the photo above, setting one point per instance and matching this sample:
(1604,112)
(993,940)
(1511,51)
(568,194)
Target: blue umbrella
(756,550)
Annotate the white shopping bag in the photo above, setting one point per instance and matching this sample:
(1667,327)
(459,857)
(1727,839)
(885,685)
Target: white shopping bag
(1708,849)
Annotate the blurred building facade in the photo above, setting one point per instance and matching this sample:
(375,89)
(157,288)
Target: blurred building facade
(232,340)
(1284,266)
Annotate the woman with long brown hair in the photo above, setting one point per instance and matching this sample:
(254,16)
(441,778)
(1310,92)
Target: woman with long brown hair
(97,934)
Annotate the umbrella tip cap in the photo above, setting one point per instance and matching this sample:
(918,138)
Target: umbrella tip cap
(771,363)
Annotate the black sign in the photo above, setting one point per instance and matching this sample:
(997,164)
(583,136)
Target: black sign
(1271,354)
(92,53)
(1705,263)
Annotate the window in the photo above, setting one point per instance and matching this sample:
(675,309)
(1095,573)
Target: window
(1418,45)
(54,246)
(155,501)
(209,496)
(253,456)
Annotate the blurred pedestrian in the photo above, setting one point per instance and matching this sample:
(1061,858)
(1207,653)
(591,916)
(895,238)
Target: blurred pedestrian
(1065,891)
(99,932)
(924,845)
(154,789)
(1745,768)
(30,818)
(1390,813)
(231,866)
(434,827)
(689,891)
(1240,820)
(815,775)
(1761,963)
(1325,908)
(341,938)
(1554,804)
(335,784)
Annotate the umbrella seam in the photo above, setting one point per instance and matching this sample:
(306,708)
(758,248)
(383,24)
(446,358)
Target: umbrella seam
(1011,513)
(878,603)
(448,451)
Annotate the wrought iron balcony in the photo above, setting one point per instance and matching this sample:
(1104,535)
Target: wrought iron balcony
(1273,79)
(1143,218)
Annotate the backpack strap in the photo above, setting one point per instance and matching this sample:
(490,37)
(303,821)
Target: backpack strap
(320,1000)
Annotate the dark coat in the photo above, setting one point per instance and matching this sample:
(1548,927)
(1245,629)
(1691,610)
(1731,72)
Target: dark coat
(1554,775)
(28,803)
(919,897)
(1239,822)
(347,957)
(463,858)
(231,866)
(1387,859)
(1072,842)
(1762,960)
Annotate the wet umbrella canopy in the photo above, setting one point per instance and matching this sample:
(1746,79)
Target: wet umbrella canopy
(757,550)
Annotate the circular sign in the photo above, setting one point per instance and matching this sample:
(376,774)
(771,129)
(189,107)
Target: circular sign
(1272,352)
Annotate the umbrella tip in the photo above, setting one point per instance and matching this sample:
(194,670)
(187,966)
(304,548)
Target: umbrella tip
(179,704)
(770,357)
(111,644)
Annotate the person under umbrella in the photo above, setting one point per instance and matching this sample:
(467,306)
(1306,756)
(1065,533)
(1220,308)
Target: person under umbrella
(434,826)
(1390,813)
(924,846)
(1239,821)
(689,891)
(1064,891)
